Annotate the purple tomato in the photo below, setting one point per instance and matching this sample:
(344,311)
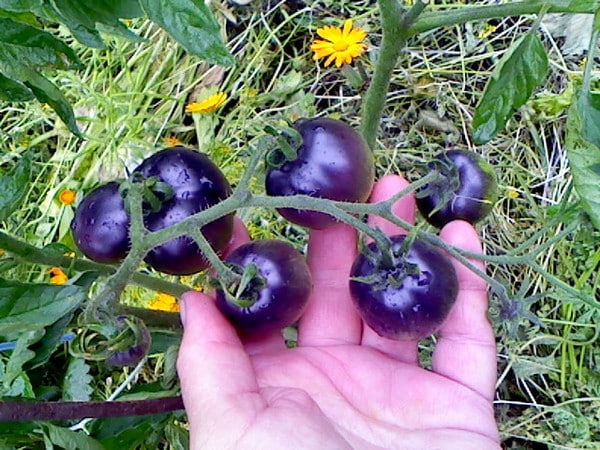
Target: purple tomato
(407,298)
(333,161)
(277,297)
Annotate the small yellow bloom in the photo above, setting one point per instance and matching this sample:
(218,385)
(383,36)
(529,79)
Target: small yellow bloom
(67,197)
(207,105)
(1,252)
(57,276)
(512,193)
(172,141)
(341,45)
(489,29)
(164,302)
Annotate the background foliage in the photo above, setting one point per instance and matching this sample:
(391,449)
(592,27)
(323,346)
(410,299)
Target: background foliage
(83,100)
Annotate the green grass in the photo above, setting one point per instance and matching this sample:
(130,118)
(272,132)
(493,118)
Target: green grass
(130,97)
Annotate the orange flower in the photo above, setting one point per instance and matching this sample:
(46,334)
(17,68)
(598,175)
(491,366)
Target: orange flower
(67,197)
(341,45)
(207,105)
(57,276)
(172,141)
(164,302)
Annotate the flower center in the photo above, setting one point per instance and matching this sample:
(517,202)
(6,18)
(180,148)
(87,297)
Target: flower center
(340,46)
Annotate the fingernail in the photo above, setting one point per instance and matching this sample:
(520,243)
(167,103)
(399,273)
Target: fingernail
(182,310)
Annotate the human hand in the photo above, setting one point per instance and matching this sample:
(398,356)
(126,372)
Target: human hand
(343,387)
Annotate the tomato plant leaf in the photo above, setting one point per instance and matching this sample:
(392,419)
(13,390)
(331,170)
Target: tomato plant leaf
(53,337)
(28,306)
(522,69)
(77,381)
(117,433)
(193,26)
(68,439)
(13,187)
(47,92)
(33,47)
(19,5)
(583,151)
(14,91)
(19,357)
(19,386)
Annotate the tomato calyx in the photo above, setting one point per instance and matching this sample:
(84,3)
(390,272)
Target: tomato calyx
(244,290)
(390,264)
(445,186)
(154,191)
(121,342)
(286,142)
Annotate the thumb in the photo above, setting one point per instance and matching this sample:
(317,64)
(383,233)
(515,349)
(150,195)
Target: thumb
(215,372)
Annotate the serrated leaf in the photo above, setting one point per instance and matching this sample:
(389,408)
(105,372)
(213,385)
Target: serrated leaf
(129,432)
(13,187)
(192,25)
(13,91)
(77,381)
(28,306)
(26,45)
(46,92)
(522,69)
(583,152)
(68,439)
(20,356)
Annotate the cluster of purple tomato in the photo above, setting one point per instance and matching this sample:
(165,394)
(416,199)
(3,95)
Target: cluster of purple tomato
(405,295)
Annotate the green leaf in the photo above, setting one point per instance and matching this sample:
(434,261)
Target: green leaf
(25,45)
(130,432)
(191,24)
(21,354)
(19,5)
(46,92)
(77,382)
(13,91)
(52,339)
(20,386)
(510,86)
(13,187)
(583,151)
(86,19)
(69,440)
(27,306)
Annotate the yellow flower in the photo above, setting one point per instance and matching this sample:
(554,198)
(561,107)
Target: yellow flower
(164,302)
(171,141)
(57,276)
(66,197)
(489,29)
(512,193)
(207,105)
(341,45)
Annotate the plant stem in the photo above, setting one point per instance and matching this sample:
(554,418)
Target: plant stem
(395,24)
(448,17)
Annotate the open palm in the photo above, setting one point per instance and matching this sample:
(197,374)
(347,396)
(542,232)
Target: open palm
(343,387)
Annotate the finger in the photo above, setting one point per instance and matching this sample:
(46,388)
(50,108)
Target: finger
(386,187)
(330,316)
(265,342)
(215,372)
(466,348)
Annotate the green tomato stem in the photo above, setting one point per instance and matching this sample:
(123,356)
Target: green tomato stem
(448,17)
(395,23)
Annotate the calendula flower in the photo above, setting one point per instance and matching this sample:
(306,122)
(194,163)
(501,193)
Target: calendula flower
(67,197)
(164,302)
(341,45)
(207,105)
(57,276)
(172,141)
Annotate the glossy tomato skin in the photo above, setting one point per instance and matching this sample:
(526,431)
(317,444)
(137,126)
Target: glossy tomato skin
(197,184)
(100,225)
(283,298)
(475,194)
(418,304)
(333,162)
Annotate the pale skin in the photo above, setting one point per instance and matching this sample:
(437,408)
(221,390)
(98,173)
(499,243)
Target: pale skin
(343,387)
